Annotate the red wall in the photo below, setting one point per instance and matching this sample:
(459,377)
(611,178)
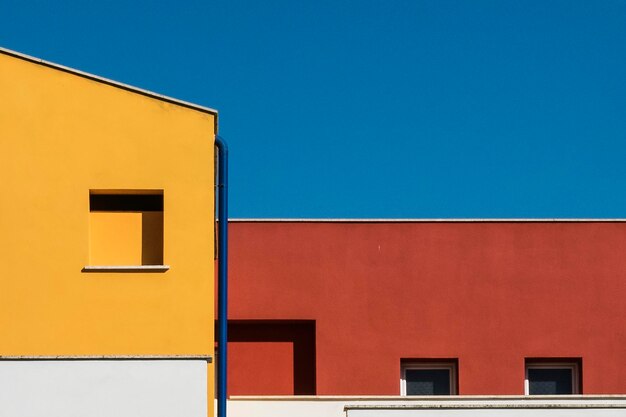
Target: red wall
(490,294)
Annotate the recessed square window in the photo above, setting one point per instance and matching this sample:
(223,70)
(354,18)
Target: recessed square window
(427,377)
(552,377)
(126,227)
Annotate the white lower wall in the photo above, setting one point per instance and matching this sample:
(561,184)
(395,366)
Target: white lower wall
(99,388)
(461,406)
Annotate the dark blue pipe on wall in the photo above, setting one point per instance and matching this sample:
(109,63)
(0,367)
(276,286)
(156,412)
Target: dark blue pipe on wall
(222,273)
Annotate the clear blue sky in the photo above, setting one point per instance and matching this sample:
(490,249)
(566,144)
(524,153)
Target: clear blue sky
(382,108)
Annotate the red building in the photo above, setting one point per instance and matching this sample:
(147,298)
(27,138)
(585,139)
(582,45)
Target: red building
(375,307)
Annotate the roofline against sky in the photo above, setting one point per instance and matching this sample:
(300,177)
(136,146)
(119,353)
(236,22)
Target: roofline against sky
(469,220)
(108,81)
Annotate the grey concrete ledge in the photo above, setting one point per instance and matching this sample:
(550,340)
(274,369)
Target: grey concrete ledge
(483,406)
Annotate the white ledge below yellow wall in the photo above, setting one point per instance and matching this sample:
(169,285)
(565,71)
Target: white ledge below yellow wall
(207,358)
(126,268)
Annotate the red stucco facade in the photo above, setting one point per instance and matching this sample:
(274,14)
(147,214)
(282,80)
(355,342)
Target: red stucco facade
(343,302)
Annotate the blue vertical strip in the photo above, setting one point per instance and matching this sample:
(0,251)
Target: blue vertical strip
(222,274)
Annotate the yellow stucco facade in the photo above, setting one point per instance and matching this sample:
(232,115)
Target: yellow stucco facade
(65,136)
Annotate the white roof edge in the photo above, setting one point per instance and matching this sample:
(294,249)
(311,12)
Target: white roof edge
(108,81)
(426,220)
(415,398)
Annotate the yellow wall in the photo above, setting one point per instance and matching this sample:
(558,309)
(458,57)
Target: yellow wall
(62,135)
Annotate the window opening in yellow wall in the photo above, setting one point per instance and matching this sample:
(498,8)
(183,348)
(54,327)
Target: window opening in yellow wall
(126,227)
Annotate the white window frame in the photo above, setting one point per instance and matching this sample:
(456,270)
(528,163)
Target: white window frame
(424,365)
(573,366)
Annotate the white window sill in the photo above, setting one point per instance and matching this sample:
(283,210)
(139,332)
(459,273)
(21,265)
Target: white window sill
(126,268)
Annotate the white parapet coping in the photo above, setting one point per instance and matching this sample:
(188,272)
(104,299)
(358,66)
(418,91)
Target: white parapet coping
(462,406)
(428,220)
(107,81)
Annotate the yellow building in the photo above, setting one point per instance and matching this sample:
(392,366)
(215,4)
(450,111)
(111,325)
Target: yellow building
(106,219)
